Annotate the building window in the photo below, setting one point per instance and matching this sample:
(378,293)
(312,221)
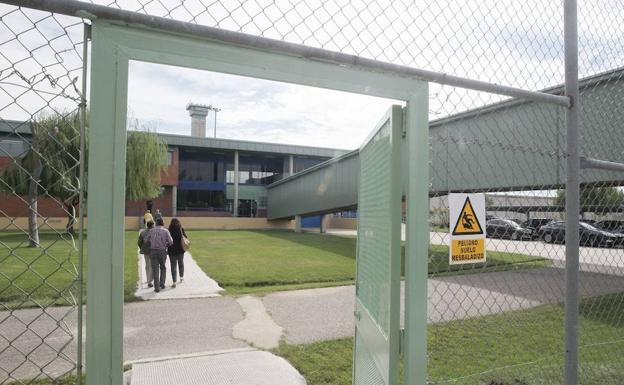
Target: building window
(169,157)
(201,200)
(303,162)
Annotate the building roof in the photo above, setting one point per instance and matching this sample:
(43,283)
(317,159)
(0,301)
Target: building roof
(15,126)
(23,129)
(243,145)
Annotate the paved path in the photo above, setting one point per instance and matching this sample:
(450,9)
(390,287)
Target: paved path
(594,259)
(196,283)
(324,314)
(240,367)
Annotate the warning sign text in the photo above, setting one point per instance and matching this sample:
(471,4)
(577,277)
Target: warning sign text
(468,250)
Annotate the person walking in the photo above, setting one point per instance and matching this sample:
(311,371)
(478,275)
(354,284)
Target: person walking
(144,248)
(176,250)
(159,240)
(147,217)
(158,214)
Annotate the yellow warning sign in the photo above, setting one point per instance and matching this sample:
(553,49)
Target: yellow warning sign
(467,221)
(467,250)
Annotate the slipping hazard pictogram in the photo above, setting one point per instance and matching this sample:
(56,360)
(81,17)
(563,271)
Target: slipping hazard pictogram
(467,221)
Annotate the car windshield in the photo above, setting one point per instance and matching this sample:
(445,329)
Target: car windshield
(511,223)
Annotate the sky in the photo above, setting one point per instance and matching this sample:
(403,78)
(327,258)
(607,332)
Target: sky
(251,109)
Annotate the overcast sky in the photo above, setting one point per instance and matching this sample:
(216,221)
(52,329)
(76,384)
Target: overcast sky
(251,109)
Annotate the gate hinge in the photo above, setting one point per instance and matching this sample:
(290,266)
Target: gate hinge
(401,341)
(404,128)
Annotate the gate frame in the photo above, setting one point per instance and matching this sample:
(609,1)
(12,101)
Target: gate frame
(114,44)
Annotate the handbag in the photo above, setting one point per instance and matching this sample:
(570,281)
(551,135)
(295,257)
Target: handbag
(186,244)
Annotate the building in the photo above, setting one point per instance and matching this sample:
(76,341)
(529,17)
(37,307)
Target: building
(204,177)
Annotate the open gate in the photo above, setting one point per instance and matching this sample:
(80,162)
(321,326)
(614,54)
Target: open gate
(379,254)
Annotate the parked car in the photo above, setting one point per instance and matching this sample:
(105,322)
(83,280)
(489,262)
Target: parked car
(535,224)
(615,227)
(506,228)
(611,225)
(589,235)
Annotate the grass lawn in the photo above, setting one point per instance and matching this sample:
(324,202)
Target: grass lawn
(242,261)
(260,261)
(526,346)
(46,275)
(266,261)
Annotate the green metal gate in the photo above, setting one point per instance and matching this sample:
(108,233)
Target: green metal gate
(379,255)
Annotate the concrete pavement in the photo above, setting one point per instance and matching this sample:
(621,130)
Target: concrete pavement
(196,283)
(594,259)
(239,366)
(327,313)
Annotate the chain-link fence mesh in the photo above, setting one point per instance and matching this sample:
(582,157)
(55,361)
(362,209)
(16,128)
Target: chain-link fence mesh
(496,323)
(601,57)
(40,71)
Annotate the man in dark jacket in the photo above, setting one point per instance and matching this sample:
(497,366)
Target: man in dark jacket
(144,248)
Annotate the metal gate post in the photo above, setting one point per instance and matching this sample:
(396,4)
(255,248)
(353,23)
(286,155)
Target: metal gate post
(86,36)
(106,186)
(572,194)
(417,236)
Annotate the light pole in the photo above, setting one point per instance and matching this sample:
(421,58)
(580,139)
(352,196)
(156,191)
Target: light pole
(215,109)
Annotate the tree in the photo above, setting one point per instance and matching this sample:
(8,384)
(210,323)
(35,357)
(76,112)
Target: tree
(146,156)
(594,196)
(51,167)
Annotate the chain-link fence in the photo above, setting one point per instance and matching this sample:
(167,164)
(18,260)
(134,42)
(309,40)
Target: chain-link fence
(501,322)
(40,262)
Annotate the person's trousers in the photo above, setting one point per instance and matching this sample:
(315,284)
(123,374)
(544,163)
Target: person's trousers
(159,269)
(148,268)
(177,261)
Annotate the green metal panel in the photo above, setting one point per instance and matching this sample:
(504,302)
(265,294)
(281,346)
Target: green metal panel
(376,354)
(106,203)
(416,152)
(328,186)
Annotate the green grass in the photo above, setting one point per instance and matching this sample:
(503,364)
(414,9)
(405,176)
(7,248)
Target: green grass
(260,261)
(46,276)
(496,261)
(255,262)
(515,348)
(265,261)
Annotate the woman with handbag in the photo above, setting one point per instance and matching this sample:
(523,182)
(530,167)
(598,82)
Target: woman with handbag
(177,249)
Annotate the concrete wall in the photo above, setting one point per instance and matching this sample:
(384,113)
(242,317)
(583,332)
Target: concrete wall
(17,206)
(169,174)
(164,203)
(132,223)
(341,223)
(191,223)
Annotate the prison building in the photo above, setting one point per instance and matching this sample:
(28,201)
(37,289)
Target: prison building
(202,178)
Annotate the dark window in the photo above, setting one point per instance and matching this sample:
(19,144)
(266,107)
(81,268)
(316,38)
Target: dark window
(301,163)
(204,200)
(257,169)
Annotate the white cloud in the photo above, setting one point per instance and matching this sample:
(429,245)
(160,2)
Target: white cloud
(252,109)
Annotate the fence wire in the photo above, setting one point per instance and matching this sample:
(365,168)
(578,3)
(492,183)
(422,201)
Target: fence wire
(494,323)
(40,68)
